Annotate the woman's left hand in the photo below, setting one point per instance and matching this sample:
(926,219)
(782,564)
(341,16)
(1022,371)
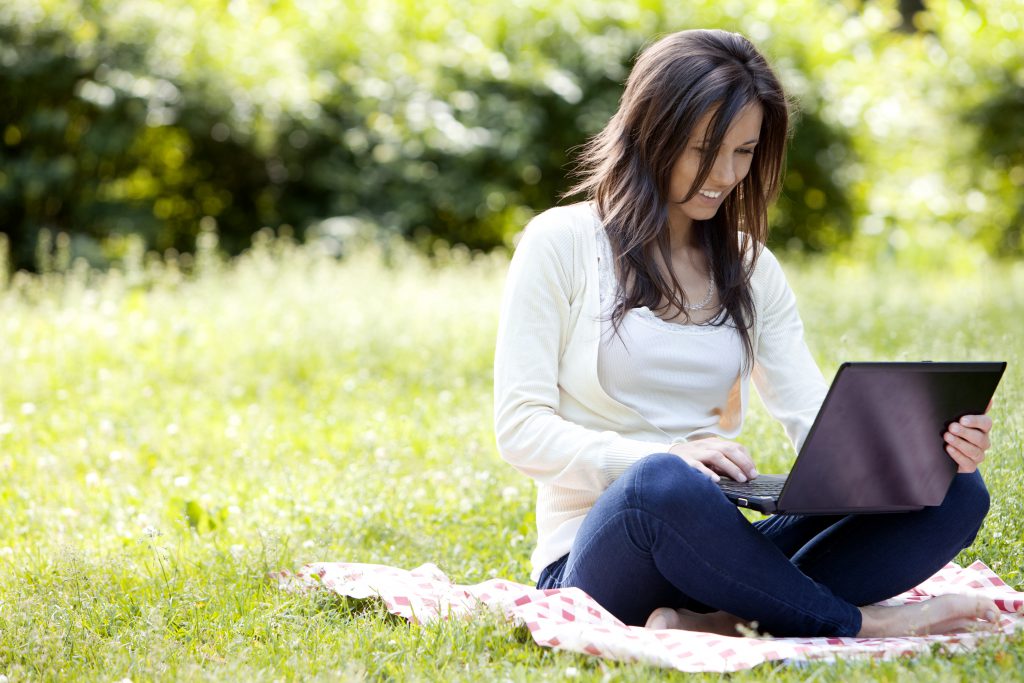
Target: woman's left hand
(967,440)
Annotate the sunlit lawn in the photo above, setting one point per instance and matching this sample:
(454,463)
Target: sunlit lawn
(165,442)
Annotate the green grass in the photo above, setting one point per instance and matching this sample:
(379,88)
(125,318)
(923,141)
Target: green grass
(167,441)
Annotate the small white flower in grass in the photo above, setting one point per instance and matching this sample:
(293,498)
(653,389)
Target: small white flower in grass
(116,455)
(236,550)
(3,678)
(6,428)
(6,551)
(309,543)
(172,429)
(92,479)
(571,672)
(28,408)
(509,493)
(106,427)
(182,481)
(151,532)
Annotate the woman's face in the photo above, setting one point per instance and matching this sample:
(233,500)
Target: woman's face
(732,163)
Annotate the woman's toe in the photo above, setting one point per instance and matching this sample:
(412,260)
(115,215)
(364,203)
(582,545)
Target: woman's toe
(660,618)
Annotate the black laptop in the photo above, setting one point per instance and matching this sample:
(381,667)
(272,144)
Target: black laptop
(877,443)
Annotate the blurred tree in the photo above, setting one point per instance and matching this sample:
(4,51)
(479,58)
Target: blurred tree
(62,131)
(908,8)
(1001,125)
(985,44)
(453,123)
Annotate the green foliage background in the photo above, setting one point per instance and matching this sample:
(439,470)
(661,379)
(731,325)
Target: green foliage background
(453,121)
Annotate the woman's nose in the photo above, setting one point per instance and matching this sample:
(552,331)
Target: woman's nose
(724,172)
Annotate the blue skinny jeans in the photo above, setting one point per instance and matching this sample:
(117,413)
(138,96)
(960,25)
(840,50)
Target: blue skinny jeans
(664,535)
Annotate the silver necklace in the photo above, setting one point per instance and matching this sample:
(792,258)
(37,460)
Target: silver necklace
(703,303)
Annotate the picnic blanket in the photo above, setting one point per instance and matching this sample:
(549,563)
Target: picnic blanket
(568,619)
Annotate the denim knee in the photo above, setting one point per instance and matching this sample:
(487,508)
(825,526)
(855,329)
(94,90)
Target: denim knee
(666,483)
(969,501)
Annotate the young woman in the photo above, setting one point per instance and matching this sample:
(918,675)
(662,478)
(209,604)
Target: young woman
(630,327)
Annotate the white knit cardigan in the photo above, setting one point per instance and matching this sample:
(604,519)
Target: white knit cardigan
(553,420)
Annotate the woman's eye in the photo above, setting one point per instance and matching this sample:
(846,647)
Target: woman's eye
(746,150)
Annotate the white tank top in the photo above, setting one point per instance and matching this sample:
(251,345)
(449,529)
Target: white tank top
(680,378)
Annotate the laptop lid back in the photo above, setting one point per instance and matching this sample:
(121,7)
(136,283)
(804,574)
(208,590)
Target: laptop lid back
(876,444)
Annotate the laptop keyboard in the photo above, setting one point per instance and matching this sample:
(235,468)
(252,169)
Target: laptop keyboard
(761,487)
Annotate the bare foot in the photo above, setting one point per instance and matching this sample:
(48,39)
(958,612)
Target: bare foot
(944,614)
(722,623)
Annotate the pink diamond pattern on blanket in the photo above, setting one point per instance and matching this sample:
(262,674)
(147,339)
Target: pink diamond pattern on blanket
(568,619)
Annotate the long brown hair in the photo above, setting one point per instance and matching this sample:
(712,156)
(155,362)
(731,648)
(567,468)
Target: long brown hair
(625,169)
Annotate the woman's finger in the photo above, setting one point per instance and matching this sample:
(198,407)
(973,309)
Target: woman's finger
(977,436)
(972,451)
(982,422)
(726,466)
(965,464)
(739,454)
(736,453)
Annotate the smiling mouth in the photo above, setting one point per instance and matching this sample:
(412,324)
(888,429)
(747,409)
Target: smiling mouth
(710,194)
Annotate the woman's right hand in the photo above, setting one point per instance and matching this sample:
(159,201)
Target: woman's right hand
(714,457)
